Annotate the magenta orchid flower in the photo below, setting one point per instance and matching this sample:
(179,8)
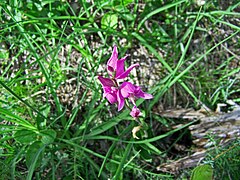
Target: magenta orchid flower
(135,113)
(109,89)
(130,90)
(115,66)
(111,92)
(116,93)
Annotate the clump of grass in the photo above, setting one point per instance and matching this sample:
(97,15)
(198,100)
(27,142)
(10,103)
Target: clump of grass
(225,161)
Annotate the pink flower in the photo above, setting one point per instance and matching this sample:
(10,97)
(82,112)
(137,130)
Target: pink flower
(117,94)
(111,92)
(109,89)
(128,90)
(135,113)
(116,68)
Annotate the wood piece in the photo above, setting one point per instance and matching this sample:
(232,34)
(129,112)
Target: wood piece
(222,129)
(187,162)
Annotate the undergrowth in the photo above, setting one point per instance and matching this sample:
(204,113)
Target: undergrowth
(54,122)
(225,161)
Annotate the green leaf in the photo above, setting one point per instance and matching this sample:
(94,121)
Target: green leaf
(146,155)
(127,2)
(4,54)
(111,167)
(41,122)
(34,155)
(48,136)
(25,136)
(203,172)
(9,116)
(119,172)
(128,16)
(109,21)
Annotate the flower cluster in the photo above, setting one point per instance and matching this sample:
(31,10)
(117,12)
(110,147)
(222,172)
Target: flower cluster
(116,93)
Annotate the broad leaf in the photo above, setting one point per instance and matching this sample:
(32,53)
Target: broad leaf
(203,172)
(109,21)
(48,136)
(34,154)
(25,136)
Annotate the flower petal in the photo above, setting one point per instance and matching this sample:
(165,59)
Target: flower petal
(120,100)
(126,89)
(112,98)
(112,62)
(139,93)
(135,113)
(120,66)
(110,93)
(125,74)
(106,82)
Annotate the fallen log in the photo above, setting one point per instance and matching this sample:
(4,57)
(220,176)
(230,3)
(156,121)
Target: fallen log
(222,128)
